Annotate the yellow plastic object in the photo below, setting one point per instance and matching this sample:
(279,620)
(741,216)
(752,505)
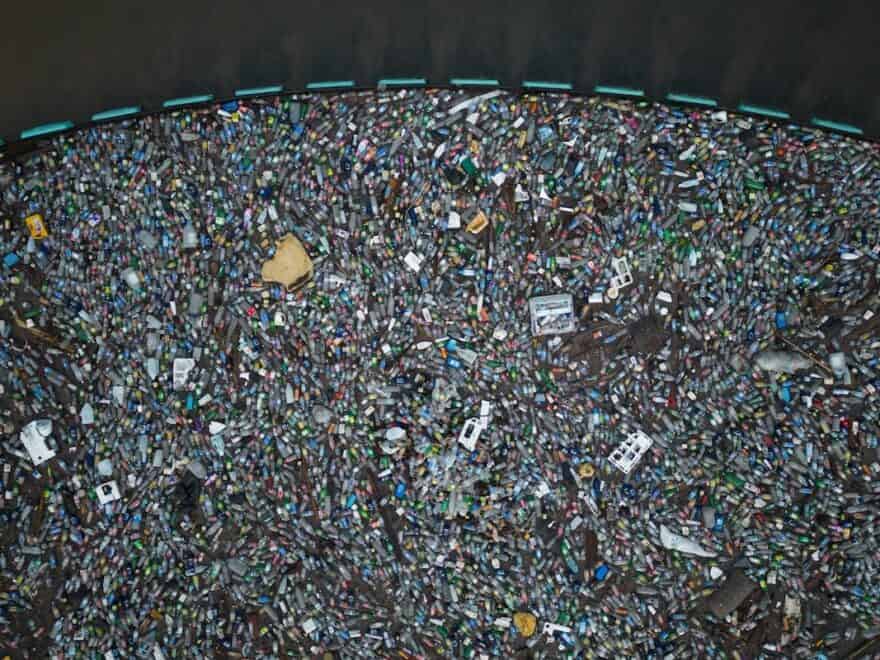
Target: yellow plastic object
(586,470)
(36,226)
(526,623)
(478,224)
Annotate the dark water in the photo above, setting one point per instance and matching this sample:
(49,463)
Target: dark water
(67,60)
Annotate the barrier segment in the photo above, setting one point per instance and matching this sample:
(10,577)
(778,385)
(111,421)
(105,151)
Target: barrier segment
(119,113)
(402,82)
(330,84)
(696,100)
(474,82)
(619,91)
(46,129)
(760,110)
(259,91)
(187,100)
(546,84)
(837,126)
(116,113)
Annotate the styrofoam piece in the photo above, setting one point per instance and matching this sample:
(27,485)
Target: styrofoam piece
(782,361)
(663,302)
(792,607)
(485,410)
(473,101)
(838,367)
(108,492)
(33,436)
(552,315)
(550,628)
(470,433)
(622,274)
(630,451)
(181,369)
(672,541)
(414,261)
(395,434)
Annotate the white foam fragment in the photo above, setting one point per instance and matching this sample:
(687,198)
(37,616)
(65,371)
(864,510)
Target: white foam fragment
(414,261)
(630,451)
(181,369)
(33,436)
(108,492)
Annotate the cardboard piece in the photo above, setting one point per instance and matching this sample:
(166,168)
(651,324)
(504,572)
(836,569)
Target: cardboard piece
(290,266)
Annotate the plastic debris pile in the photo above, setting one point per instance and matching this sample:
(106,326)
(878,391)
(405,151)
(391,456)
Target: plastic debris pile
(432,373)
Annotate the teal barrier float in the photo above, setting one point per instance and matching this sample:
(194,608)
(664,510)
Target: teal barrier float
(116,113)
(259,91)
(695,100)
(836,126)
(760,110)
(402,82)
(474,82)
(547,85)
(46,129)
(187,100)
(619,91)
(330,84)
